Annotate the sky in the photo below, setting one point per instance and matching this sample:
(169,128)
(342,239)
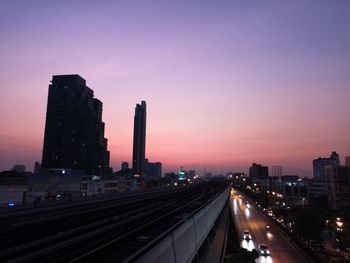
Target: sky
(227,83)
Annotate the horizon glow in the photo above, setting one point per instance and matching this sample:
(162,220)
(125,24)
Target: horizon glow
(226,84)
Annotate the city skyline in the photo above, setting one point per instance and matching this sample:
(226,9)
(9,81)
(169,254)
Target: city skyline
(226,85)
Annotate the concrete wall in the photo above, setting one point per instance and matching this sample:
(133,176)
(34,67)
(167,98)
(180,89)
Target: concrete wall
(182,244)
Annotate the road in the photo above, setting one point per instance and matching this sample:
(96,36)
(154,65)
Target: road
(255,221)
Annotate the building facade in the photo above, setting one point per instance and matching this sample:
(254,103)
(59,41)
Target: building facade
(317,188)
(139,142)
(20,168)
(259,171)
(124,166)
(320,164)
(154,170)
(276,170)
(338,183)
(74,131)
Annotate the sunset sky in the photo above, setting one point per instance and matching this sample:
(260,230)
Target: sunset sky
(226,82)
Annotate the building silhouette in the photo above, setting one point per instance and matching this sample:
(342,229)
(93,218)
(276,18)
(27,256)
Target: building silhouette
(320,164)
(258,171)
(139,143)
(74,131)
(276,171)
(338,184)
(37,167)
(20,168)
(124,166)
(154,170)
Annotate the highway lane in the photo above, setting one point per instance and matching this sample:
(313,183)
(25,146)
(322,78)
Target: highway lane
(254,220)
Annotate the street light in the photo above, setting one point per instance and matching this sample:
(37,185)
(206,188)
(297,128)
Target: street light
(339,224)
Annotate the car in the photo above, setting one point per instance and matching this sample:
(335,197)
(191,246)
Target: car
(263,249)
(247,235)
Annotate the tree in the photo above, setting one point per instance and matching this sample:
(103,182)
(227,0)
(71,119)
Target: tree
(309,224)
(242,256)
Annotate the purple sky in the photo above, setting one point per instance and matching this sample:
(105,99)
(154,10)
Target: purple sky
(226,82)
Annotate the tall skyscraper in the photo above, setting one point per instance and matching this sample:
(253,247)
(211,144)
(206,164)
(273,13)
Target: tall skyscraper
(139,145)
(74,131)
(320,164)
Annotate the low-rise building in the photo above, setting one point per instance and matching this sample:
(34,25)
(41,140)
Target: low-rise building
(56,182)
(13,187)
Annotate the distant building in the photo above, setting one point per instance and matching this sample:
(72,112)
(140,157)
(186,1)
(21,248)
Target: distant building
(170,176)
(139,142)
(338,182)
(191,174)
(13,177)
(53,182)
(294,186)
(291,187)
(125,166)
(276,171)
(92,186)
(182,175)
(74,131)
(258,171)
(154,170)
(320,164)
(347,161)
(208,175)
(13,187)
(317,188)
(20,168)
(37,167)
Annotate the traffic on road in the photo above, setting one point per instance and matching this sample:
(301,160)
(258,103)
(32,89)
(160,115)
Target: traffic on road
(258,232)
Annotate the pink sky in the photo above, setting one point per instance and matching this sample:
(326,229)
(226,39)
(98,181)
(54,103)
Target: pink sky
(225,85)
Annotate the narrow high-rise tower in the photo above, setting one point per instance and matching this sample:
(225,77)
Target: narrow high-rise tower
(74,131)
(139,145)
